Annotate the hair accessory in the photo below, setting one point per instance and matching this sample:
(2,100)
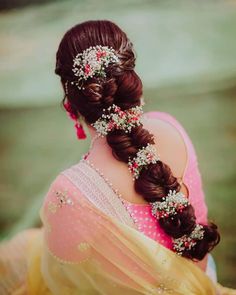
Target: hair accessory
(66,88)
(80,130)
(115,118)
(187,242)
(69,111)
(93,61)
(145,156)
(78,126)
(171,204)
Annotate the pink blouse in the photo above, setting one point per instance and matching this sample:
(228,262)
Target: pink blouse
(141,213)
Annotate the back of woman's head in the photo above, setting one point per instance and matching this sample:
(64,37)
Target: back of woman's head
(122,86)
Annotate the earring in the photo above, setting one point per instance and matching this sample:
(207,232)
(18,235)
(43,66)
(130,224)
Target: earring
(78,126)
(80,130)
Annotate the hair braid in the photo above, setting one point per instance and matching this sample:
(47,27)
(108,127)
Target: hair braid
(123,87)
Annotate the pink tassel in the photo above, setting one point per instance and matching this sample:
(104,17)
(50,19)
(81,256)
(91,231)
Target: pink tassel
(79,128)
(67,107)
(80,131)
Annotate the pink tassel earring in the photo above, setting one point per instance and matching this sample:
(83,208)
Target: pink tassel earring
(80,131)
(78,126)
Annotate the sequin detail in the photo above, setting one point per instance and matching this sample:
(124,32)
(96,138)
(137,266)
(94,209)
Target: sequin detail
(83,247)
(147,223)
(63,198)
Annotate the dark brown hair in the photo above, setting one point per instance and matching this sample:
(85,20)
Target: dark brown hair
(123,87)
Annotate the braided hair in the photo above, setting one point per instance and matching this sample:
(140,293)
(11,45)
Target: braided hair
(123,87)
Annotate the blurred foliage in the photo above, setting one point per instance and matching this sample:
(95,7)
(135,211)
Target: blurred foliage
(186,58)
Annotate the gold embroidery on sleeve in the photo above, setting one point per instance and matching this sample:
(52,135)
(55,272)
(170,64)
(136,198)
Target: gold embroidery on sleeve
(63,198)
(52,207)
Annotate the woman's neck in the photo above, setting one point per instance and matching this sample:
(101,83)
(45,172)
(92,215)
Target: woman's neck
(97,142)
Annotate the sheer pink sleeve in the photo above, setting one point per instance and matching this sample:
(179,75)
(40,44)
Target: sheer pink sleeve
(64,220)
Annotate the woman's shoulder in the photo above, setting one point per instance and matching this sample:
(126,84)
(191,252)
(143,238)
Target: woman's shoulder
(169,124)
(172,127)
(166,125)
(169,139)
(164,119)
(61,191)
(60,181)
(64,218)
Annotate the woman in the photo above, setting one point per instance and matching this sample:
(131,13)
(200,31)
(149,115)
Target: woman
(130,217)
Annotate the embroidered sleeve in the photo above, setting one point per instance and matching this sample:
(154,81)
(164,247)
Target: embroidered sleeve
(64,222)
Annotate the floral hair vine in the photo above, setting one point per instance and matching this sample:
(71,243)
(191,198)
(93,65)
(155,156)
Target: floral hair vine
(115,118)
(187,242)
(171,204)
(145,156)
(92,62)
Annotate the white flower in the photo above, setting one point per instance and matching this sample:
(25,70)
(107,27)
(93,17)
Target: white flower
(145,156)
(93,61)
(114,118)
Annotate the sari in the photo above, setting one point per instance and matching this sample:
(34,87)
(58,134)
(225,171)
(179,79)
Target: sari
(89,245)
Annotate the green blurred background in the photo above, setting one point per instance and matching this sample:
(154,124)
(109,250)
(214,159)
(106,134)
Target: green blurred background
(187,59)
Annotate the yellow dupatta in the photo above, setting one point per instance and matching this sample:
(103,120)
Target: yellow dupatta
(91,251)
(89,245)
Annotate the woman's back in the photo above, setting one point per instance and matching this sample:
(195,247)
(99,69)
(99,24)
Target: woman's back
(174,148)
(168,142)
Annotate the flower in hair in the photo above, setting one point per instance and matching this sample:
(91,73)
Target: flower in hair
(145,156)
(115,118)
(171,204)
(93,61)
(187,242)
